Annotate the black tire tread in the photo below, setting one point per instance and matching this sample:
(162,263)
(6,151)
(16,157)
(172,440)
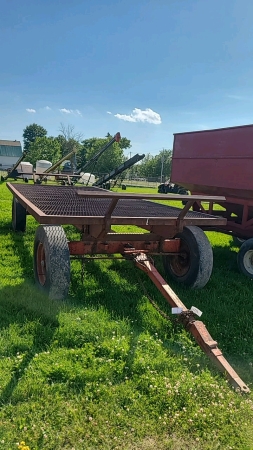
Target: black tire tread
(18,216)
(57,258)
(201,255)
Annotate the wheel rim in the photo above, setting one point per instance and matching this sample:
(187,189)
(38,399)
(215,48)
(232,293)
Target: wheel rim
(180,264)
(248,261)
(41,264)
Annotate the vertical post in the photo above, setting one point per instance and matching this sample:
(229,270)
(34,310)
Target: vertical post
(162,161)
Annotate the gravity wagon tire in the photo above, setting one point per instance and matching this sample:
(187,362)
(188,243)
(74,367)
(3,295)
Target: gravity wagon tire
(18,216)
(51,261)
(193,267)
(238,241)
(245,258)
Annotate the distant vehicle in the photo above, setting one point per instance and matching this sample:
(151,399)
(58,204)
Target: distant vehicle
(67,167)
(168,187)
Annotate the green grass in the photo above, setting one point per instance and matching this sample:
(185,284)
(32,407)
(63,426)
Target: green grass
(104,370)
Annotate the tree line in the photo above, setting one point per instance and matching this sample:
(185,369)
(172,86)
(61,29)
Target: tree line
(38,145)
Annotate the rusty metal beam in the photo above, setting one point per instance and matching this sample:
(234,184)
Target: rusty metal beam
(195,327)
(61,205)
(92,247)
(109,194)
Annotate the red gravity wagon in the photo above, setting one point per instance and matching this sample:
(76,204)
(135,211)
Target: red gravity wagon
(220,162)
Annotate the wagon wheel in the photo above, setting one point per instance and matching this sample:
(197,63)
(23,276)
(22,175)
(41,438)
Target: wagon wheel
(245,258)
(193,267)
(18,216)
(238,241)
(51,261)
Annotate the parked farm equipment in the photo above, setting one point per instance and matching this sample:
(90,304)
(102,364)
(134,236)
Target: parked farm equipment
(60,177)
(12,172)
(93,159)
(115,172)
(173,233)
(220,162)
(171,188)
(72,178)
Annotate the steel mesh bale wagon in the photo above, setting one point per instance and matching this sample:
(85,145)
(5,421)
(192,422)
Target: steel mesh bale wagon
(220,162)
(171,232)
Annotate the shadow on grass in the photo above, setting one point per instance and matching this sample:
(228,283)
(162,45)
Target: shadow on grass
(22,307)
(225,302)
(21,248)
(117,288)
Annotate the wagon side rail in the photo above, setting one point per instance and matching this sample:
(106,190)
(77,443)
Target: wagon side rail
(150,218)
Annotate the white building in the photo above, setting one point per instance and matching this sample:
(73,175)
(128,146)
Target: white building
(10,152)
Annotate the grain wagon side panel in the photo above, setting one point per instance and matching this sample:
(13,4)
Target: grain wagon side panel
(215,162)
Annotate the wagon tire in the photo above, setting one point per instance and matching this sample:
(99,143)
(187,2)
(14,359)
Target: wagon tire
(51,261)
(238,241)
(245,258)
(193,267)
(18,216)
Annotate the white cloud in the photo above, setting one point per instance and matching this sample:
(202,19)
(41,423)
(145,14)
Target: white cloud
(125,117)
(66,111)
(71,111)
(30,110)
(47,108)
(108,112)
(138,115)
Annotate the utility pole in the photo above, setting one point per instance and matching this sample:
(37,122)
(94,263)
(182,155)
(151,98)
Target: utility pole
(162,161)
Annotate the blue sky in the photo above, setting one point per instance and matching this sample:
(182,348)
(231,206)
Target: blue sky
(146,68)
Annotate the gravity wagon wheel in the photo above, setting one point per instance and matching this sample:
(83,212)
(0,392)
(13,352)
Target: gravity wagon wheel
(18,216)
(183,192)
(51,261)
(245,258)
(238,241)
(193,267)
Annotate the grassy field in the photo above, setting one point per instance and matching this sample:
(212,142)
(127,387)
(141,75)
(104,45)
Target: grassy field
(104,370)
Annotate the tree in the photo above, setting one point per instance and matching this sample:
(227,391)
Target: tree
(47,148)
(109,160)
(31,132)
(156,166)
(69,140)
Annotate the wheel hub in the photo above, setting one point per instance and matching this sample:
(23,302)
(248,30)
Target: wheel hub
(248,261)
(180,264)
(41,264)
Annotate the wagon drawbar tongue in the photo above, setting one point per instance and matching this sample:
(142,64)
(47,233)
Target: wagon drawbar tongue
(187,318)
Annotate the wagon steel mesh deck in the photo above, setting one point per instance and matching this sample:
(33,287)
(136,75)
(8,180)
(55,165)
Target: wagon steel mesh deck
(72,205)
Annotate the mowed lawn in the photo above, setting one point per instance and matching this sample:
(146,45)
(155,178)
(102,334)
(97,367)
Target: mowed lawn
(104,370)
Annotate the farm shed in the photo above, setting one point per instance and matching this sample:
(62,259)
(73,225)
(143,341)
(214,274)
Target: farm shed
(10,152)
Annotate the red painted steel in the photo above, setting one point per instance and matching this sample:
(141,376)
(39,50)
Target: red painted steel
(219,162)
(195,327)
(112,247)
